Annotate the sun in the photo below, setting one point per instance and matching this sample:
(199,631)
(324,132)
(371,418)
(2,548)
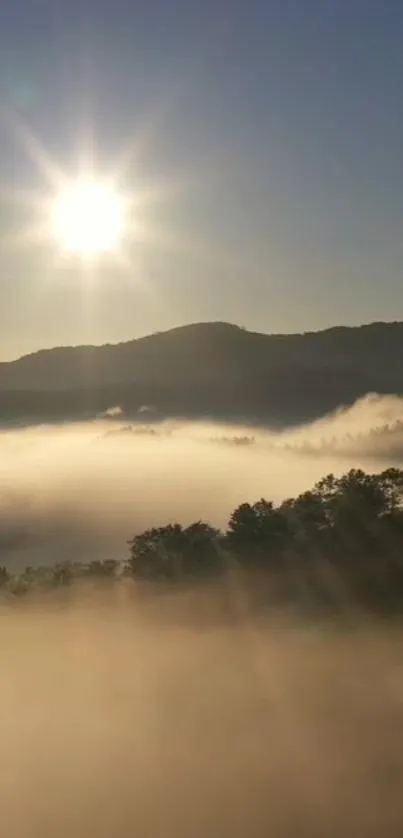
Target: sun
(89,213)
(87,218)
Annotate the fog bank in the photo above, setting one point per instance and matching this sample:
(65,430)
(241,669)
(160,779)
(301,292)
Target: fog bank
(78,492)
(116,724)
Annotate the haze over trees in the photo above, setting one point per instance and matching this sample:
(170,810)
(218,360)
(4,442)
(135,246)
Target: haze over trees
(337,544)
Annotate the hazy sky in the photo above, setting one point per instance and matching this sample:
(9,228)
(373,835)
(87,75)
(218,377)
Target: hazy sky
(277,126)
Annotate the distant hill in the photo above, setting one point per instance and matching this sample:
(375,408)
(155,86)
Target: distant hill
(208,370)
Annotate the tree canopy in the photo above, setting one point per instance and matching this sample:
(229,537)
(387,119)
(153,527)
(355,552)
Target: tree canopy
(341,538)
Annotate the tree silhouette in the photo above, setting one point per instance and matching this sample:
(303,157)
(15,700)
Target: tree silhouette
(341,538)
(4,576)
(174,552)
(106,569)
(257,532)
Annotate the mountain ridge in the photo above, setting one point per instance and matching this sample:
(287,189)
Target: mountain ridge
(338,328)
(212,369)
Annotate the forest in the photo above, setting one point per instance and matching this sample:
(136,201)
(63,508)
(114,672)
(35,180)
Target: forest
(337,545)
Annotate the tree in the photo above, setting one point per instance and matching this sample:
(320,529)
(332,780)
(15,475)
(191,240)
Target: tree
(174,552)
(306,515)
(257,532)
(62,574)
(4,576)
(106,569)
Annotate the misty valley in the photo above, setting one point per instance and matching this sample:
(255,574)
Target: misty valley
(76,492)
(201,617)
(201,419)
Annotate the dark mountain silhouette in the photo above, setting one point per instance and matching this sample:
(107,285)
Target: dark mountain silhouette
(208,369)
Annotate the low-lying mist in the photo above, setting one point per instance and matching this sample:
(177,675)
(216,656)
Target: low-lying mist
(194,713)
(78,492)
(117,720)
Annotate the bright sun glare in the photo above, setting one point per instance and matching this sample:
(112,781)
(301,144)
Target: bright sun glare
(90,213)
(88,218)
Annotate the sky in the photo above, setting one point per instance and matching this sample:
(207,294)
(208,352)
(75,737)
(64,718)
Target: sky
(267,136)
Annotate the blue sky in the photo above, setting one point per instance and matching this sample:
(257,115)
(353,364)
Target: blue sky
(278,125)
